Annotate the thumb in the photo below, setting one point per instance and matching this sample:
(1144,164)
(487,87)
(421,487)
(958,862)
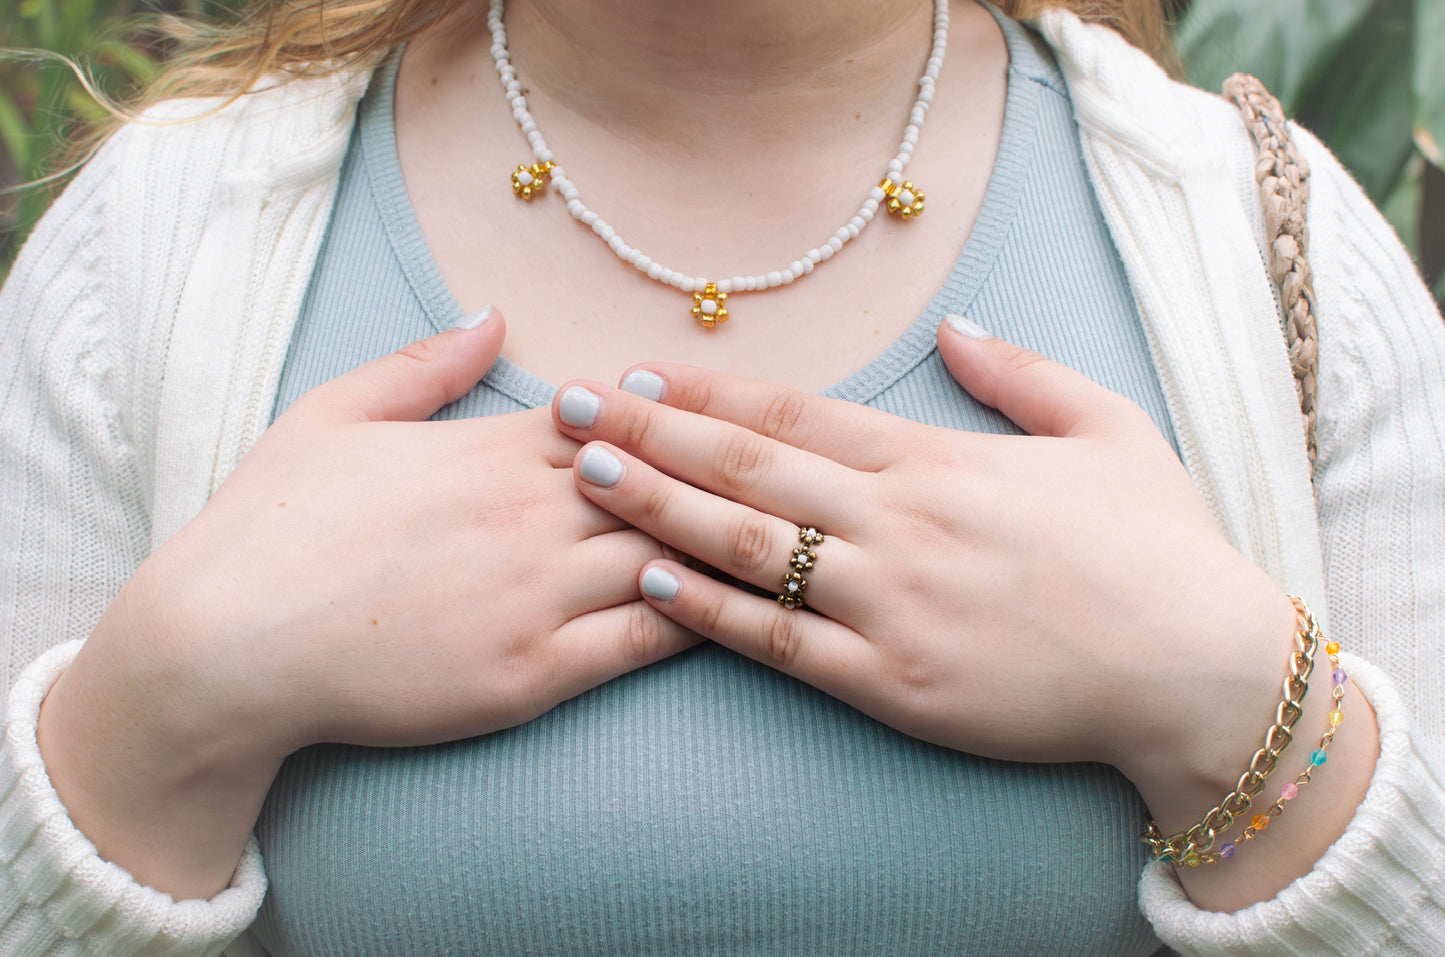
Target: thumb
(418,379)
(1041,396)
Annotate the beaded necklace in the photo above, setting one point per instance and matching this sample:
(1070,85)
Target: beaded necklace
(709,296)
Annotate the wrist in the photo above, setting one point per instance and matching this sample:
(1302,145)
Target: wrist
(154,768)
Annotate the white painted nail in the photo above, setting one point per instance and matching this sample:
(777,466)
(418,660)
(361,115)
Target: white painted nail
(579,408)
(601,467)
(474,320)
(964,327)
(658,584)
(649,385)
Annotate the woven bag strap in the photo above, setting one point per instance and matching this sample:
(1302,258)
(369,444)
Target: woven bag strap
(1283,176)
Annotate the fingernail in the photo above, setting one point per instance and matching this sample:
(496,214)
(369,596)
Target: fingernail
(601,467)
(579,408)
(964,327)
(649,385)
(658,584)
(474,320)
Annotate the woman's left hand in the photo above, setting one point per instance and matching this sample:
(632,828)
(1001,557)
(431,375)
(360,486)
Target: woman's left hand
(1060,596)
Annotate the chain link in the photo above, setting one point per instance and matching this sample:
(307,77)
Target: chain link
(1200,837)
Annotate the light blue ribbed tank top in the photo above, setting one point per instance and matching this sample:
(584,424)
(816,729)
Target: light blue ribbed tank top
(709,805)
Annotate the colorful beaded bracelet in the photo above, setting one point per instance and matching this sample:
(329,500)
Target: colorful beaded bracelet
(1200,838)
(1290,791)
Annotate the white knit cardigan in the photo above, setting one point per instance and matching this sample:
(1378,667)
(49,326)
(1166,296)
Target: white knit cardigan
(143,331)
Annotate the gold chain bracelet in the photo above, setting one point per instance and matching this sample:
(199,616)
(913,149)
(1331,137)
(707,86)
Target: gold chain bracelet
(1200,838)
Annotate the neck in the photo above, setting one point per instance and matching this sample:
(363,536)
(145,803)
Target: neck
(652,68)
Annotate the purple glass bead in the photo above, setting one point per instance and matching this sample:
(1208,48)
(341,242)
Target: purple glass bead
(1340,677)
(1227,851)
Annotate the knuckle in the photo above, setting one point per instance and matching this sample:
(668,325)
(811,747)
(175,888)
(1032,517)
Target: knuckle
(643,641)
(784,639)
(657,502)
(1022,360)
(743,458)
(748,545)
(710,613)
(419,351)
(784,415)
(639,426)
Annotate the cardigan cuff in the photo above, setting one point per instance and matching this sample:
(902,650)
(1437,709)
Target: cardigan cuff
(1380,888)
(56,892)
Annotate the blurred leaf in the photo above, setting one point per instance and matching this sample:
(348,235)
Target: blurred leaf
(1402,206)
(1429,79)
(15,132)
(138,67)
(1286,43)
(1360,106)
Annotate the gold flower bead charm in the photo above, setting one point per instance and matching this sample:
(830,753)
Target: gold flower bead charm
(905,200)
(794,584)
(803,559)
(810,536)
(527,180)
(708,306)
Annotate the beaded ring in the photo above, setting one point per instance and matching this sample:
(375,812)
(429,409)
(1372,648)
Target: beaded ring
(803,557)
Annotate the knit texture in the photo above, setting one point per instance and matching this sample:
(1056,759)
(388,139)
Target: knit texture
(146,323)
(709,804)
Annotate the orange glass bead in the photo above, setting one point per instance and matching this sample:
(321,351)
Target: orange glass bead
(1260,822)
(1333,648)
(1336,716)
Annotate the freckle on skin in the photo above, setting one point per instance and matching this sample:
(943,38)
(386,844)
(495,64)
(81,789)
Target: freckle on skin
(280,504)
(373,621)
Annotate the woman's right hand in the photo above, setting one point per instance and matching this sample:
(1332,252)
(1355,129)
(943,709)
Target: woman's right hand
(361,577)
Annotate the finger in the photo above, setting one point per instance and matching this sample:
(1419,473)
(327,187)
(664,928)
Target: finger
(1041,396)
(711,454)
(752,546)
(604,568)
(594,648)
(416,380)
(852,434)
(810,647)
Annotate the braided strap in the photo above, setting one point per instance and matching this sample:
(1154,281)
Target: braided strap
(1283,178)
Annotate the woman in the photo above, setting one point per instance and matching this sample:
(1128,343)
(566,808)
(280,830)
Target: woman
(528,582)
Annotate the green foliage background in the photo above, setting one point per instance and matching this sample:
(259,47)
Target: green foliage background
(1367,75)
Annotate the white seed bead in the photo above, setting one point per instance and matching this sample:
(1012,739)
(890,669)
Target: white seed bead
(513,92)
(708,307)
